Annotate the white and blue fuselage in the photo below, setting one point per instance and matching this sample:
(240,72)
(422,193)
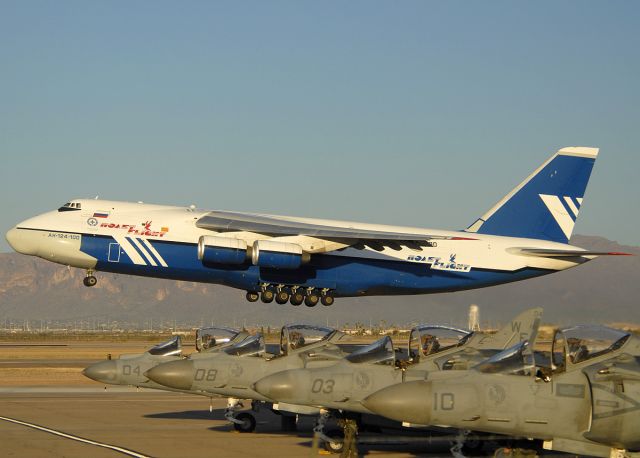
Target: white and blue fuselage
(524,235)
(162,241)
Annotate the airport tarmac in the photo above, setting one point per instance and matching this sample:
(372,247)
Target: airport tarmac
(149,423)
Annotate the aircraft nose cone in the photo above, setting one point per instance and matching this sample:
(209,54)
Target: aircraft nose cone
(279,387)
(104,371)
(409,401)
(175,374)
(20,241)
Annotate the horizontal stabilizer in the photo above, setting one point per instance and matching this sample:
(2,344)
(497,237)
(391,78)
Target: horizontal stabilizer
(548,253)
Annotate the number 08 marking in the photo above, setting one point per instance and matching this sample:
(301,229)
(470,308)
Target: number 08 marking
(209,375)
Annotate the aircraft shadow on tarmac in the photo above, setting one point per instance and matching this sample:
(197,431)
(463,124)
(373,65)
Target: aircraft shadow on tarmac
(216,414)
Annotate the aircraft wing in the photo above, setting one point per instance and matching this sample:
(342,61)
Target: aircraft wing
(225,221)
(550,253)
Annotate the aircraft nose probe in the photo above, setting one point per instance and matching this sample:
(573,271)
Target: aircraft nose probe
(175,374)
(104,371)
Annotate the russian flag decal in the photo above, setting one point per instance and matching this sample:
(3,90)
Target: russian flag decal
(101,215)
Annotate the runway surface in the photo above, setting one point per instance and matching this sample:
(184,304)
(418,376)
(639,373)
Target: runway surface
(147,423)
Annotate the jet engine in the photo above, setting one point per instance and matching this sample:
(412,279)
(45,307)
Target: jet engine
(278,255)
(221,250)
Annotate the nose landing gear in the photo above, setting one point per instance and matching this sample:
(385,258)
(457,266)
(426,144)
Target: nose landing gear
(90,279)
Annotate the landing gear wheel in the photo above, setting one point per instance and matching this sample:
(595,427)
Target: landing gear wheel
(336,445)
(90,280)
(267,296)
(252,297)
(311,300)
(327,300)
(248,424)
(282,297)
(296,299)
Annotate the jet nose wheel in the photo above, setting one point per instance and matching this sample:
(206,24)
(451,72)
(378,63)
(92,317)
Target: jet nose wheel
(252,297)
(282,297)
(267,296)
(90,280)
(247,423)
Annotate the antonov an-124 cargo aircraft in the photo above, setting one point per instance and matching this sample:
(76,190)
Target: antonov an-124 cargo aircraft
(298,260)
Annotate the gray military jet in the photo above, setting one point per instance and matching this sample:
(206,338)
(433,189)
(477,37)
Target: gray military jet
(129,369)
(341,387)
(227,375)
(583,399)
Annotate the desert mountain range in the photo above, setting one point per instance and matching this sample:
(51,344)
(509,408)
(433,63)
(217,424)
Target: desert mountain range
(606,290)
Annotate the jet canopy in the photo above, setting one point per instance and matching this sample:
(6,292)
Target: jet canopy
(580,343)
(515,360)
(171,347)
(251,346)
(428,340)
(379,352)
(296,336)
(208,338)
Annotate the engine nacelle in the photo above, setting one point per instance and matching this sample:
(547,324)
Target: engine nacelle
(277,255)
(221,250)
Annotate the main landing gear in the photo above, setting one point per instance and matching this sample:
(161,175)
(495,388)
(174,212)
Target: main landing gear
(295,295)
(89,280)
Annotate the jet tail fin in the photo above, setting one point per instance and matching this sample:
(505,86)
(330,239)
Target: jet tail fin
(523,327)
(546,204)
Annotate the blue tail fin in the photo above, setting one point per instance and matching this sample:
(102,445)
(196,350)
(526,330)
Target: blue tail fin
(545,205)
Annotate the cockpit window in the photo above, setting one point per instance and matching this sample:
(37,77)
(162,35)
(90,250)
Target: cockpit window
(516,360)
(251,346)
(296,336)
(168,348)
(208,338)
(379,352)
(70,206)
(429,340)
(586,342)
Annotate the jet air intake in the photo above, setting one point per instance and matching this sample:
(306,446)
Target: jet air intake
(221,250)
(278,255)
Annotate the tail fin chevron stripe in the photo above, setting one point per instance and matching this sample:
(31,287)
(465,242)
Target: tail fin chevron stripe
(546,204)
(559,213)
(571,205)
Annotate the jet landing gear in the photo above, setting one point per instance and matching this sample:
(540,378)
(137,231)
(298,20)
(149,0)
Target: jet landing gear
(243,422)
(89,280)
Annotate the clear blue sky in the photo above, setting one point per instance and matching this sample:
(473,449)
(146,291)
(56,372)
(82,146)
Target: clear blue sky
(413,113)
